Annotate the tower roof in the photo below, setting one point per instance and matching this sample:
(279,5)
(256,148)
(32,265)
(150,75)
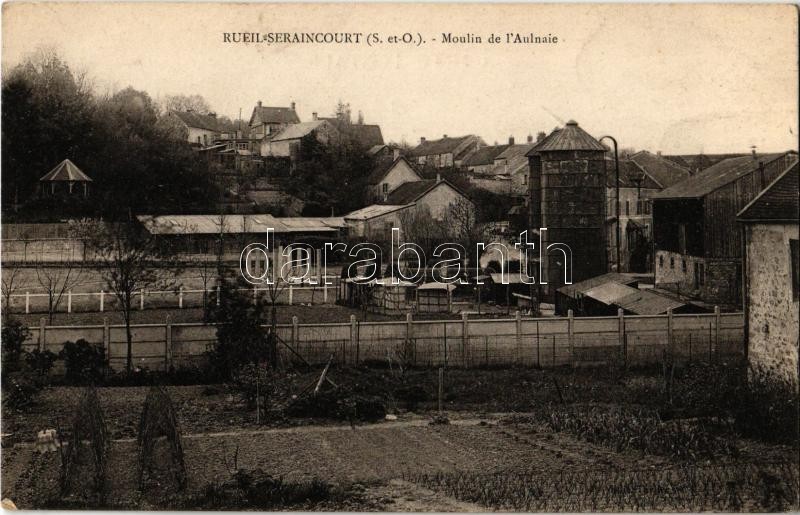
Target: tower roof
(571,137)
(66,170)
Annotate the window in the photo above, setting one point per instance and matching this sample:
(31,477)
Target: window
(701,274)
(660,261)
(795,256)
(385,187)
(683,265)
(241,146)
(627,208)
(672,263)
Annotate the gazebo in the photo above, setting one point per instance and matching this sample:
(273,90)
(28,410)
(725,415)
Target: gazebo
(62,180)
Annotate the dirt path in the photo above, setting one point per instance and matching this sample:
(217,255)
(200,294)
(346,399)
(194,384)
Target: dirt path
(402,496)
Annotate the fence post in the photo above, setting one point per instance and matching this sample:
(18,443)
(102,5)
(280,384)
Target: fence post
(69,301)
(717,328)
(669,331)
(295,331)
(168,344)
(106,340)
(218,291)
(464,336)
(290,294)
(255,294)
(571,335)
(102,299)
(354,335)
(621,333)
(180,297)
(42,329)
(410,356)
(141,299)
(27,302)
(518,320)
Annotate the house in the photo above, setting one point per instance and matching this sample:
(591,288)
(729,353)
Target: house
(509,172)
(772,277)
(636,187)
(286,143)
(445,152)
(482,160)
(662,170)
(376,221)
(201,129)
(65,179)
(388,176)
(698,244)
(266,121)
(367,136)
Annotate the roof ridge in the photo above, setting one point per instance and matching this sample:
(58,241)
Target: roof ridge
(769,187)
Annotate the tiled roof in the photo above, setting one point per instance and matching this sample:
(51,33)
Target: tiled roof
(381,169)
(409,192)
(697,162)
(197,120)
(664,171)
(778,202)
(629,172)
(66,171)
(265,114)
(511,160)
(367,136)
(713,178)
(571,137)
(485,155)
(438,146)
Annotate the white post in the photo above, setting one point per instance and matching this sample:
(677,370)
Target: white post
(102,299)
(180,297)
(141,299)
(290,294)
(69,301)
(324,289)
(218,299)
(27,302)
(518,320)
(255,294)
(571,334)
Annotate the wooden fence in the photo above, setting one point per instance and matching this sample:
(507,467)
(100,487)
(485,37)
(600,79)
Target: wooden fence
(468,342)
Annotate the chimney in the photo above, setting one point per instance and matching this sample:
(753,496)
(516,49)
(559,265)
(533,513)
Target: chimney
(530,138)
(511,140)
(753,151)
(658,153)
(438,178)
(314,116)
(212,115)
(444,137)
(293,105)
(422,140)
(259,103)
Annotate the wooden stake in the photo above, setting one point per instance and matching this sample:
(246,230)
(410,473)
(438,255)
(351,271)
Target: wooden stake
(441,387)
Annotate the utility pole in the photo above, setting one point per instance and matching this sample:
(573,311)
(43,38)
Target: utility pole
(616,186)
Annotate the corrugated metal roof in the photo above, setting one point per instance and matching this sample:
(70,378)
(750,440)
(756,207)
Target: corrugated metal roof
(237,224)
(717,176)
(610,292)
(778,202)
(66,171)
(373,211)
(571,137)
(572,290)
(647,302)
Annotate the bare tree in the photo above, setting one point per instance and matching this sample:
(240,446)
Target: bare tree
(56,280)
(131,260)
(11,280)
(185,103)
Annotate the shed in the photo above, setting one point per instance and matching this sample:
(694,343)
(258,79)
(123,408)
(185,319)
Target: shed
(63,178)
(435,297)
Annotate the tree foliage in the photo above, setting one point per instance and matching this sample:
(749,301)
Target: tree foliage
(51,113)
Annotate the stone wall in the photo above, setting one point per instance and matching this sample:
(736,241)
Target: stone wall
(772,311)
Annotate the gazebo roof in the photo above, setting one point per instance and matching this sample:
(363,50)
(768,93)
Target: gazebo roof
(66,171)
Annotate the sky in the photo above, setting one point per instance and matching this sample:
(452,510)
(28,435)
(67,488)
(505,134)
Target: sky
(674,78)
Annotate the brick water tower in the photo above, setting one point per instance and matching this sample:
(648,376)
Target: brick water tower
(568,197)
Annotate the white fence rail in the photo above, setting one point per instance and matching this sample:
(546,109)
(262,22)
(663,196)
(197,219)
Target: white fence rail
(73,302)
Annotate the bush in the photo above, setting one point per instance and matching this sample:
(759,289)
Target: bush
(13,336)
(40,362)
(19,390)
(766,408)
(261,386)
(339,404)
(85,362)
